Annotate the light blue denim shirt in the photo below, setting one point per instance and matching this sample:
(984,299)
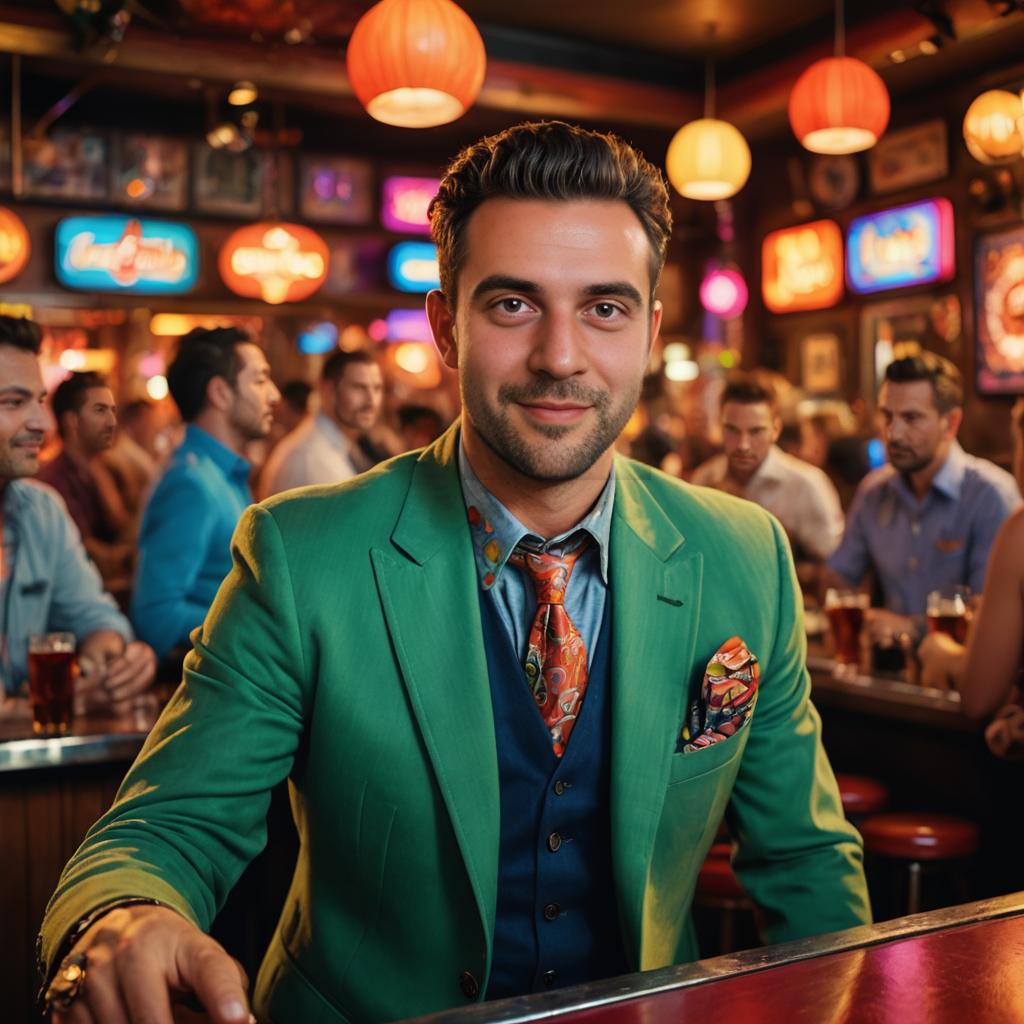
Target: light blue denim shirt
(185,539)
(496,532)
(918,546)
(51,584)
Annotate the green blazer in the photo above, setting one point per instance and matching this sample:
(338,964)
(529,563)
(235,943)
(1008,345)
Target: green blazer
(344,650)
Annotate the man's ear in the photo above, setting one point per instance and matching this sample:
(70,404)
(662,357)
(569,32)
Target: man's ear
(955,417)
(219,394)
(442,326)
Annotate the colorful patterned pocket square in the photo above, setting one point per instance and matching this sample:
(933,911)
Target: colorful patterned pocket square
(727,697)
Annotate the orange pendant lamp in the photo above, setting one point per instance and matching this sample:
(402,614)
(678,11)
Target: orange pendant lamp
(839,104)
(416,63)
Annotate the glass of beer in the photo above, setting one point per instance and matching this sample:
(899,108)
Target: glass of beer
(51,681)
(845,610)
(949,611)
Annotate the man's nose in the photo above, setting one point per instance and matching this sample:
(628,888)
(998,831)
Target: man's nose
(559,346)
(40,419)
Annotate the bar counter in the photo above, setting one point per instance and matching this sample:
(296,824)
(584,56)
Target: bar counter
(960,964)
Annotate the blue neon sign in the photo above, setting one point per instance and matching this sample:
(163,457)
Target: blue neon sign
(412,267)
(126,254)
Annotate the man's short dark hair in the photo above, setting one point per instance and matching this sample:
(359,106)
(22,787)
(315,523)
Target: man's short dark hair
(129,414)
(944,377)
(21,333)
(295,394)
(339,361)
(408,414)
(203,353)
(546,160)
(70,395)
(750,388)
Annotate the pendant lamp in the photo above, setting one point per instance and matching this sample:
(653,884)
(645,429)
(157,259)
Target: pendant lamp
(708,159)
(416,63)
(839,104)
(992,127)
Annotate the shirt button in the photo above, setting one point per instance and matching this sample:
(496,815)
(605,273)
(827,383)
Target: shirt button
(911,564)
(551,911)
(554,842)
(560,787)
(915,527)
(549,979)
(469,985)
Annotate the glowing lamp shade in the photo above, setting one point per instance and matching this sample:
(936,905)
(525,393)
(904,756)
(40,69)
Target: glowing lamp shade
(416,63)
(274,262)
(708,159)
(992,127)
(838,105)
(14,245)
(724,293)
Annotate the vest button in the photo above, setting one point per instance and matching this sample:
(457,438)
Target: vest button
(549,979)
(560,787)
(469,985)
(551,912)
(554,842)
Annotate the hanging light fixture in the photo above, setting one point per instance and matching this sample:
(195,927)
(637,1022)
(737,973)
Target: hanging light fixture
(416,63)
(708,159)
(839,104)
(992,127)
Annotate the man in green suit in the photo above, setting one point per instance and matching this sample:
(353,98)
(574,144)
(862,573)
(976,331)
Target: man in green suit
(455,844)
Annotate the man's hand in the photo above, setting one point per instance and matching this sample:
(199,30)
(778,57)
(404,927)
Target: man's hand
(1005,733)
(886,628)
(113,673)
(942,660)
(141,958)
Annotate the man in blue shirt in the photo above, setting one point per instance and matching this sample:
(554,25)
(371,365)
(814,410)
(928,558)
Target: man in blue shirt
(46,579)
(221,384)
(928,518)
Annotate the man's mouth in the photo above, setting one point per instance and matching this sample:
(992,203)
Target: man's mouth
(554,412)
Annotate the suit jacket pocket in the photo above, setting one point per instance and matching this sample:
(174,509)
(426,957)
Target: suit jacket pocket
(692,764)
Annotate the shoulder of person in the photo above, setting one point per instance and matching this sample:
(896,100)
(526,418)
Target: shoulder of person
(41,498)
(993,476)
(710,471)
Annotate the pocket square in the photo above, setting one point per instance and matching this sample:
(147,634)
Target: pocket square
(727,696)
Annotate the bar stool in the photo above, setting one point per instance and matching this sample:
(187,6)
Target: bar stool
(919,837)
(719,888)
(861,795)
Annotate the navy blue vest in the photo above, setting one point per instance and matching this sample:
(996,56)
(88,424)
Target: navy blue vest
(557,919)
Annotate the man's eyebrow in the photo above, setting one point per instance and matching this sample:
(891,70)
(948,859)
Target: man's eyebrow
(13,389)
(622,289)
(502,282)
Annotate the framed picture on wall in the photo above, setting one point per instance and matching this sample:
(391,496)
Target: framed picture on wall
(150,171)
(999,313)
(909,156)
(336,189)
(67,163)
(820,364)
(903,327)
(228,183)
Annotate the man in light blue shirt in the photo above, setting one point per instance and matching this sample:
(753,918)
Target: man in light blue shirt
(46,579)
(221,384)
(928,518)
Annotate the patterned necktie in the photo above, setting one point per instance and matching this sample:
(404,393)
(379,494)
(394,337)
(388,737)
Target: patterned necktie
(556,660)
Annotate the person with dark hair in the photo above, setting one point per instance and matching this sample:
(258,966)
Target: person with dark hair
(324,448)
(83,406)
(929,517)
(513,698)
(419,425)
(47,581)
(753,466)
(221,384)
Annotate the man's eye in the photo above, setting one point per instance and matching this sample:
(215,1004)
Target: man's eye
(606,310)
(511,305)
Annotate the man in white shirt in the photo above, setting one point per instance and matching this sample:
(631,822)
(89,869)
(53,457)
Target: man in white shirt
(324,448)
(753,466)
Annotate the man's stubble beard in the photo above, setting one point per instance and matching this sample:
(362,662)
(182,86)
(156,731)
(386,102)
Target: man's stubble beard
(539,462)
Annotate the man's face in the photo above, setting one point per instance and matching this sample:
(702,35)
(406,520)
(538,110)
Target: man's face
(358,396)
(24,418)
(552,330)
(96,420)
(748,432)
(252,412)
(914,430)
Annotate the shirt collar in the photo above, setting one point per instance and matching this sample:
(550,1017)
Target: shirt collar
(224,458)
(950,478)
(771,465)
(496,532)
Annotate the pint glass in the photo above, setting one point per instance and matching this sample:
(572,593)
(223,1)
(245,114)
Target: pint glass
(949,611)
(845,610)
(51,679)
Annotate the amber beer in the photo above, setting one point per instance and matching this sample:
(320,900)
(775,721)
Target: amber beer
(845,610)
(949,612)
(51,681)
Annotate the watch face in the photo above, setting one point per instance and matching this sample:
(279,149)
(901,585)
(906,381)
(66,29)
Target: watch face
(833,181)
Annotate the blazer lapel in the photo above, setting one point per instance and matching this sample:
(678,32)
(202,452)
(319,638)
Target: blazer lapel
(656,588)
(430,595)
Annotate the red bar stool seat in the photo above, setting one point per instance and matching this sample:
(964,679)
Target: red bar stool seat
(918,837)
(720,889)
(861,795)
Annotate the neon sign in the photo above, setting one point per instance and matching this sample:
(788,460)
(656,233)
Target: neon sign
(274,262)
(802,267)
(906,245)
(408,325)
(412,267)
(126,254)
(14,245)
(404,203)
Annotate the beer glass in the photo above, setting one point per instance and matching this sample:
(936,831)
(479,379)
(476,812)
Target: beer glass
(51,679)
(845,610)
(949,611)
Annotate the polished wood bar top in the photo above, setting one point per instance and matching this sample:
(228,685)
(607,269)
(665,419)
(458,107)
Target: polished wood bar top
(944,967)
